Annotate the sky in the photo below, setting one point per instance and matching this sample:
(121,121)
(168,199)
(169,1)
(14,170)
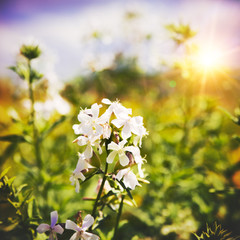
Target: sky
(64,30)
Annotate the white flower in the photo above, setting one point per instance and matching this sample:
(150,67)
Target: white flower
(139,130)
(90,141)
(90,123)
(129,178)
(81,231)
(77,173)
(53,228)
(130,125)
(117,108)
(120,150)
(138,158)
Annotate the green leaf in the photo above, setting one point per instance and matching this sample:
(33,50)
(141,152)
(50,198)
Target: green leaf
(21,70)
(105,237)
(34,75)
(228,114)
(13,138)
(4,172)
(7,153)
(20,188)
(33,211)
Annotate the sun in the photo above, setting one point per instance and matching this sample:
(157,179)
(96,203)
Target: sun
(209,58)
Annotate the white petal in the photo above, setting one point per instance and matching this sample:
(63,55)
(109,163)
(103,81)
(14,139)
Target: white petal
(89,236)
(88,151)
(43,228)
(138,120)
(120,111)
(136,153)
(77,188)
(132,149)
(87,222)
(87,129)
(79,175)
(130,180)
(100,150)
(75,236)
(106,101)
(95,110)
(81,141)
(124,160)
(113,146)
(122,143)
(77,128)
(83,117)
(54,218)
(121,173)
(111,157)
(80,165)
(72,179)
(99,129)
(118,122)
(58,229)
(105,117)
(126,131)
(72,225)
(140,170)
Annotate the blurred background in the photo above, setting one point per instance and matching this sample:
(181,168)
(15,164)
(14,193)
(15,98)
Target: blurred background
(176,63)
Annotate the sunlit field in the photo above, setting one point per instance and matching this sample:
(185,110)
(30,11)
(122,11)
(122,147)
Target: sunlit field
(119,120)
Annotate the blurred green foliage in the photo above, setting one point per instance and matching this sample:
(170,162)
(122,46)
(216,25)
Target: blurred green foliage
(192,148)
(19,213)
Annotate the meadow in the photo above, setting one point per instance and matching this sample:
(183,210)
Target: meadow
(185,120)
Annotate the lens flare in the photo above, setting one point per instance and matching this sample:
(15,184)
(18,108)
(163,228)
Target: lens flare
(209,58)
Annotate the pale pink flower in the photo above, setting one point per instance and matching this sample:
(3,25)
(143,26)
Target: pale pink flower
(80,232)
(53,228)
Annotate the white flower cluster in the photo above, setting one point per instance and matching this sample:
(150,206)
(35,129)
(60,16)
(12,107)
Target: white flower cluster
(94,131)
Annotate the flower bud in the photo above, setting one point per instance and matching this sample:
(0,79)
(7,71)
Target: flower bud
(30,51)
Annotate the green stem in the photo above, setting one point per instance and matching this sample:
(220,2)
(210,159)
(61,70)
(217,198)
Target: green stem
(100,191)
(36,140)
(118,218)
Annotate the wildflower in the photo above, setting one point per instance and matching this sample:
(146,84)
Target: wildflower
(120,150)
(53,228)
(117,108)
(139,130)
(91,141)
(137,158)
(130,125)
(77,173)
(81,231)
(129,178)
